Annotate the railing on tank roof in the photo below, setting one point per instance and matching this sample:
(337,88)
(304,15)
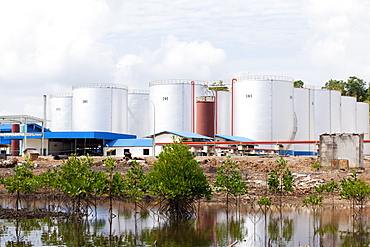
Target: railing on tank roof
(176,81)
(205,99)
(265,77)
(100,85)
(138,91)
(61,95)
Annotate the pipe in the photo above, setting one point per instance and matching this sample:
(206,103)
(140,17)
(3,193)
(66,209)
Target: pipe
(192,106)
(232,105)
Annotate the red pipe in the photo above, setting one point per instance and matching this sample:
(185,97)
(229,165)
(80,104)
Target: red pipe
(251,142)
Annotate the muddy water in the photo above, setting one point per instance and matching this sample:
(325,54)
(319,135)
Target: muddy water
(214,225)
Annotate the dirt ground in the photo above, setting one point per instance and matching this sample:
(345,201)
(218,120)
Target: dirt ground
(255,170)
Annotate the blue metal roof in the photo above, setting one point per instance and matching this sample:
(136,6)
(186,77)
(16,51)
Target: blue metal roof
(131,143)
(87,135)
(183,134)
(31,128)
(76,135)
(235,138)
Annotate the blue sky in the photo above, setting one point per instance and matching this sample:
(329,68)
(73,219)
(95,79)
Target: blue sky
(48,46)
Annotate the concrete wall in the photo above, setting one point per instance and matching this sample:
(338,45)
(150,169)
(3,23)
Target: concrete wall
(135,151)
(341,150)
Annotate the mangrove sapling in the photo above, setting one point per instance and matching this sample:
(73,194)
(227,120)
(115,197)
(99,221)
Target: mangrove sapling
(77,181)
(22,182)
(177,181)
(357,191)
(229,180)
(136,184)
(280,180)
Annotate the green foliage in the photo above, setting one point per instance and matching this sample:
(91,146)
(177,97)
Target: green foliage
(218,86)
(281,180)
(298,84)
(23,181)
(176,175)
(316,165)
(313,200)
(135,182)
(229,179)
(355,189)
(177,179)
(354,87)
(75,177)
(264,201)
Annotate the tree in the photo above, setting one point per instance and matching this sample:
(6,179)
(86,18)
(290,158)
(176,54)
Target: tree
(281,179)
(335,85)
(298,84)
(355,190)
(177,180)
(356,87)
(218,86)
(229,180)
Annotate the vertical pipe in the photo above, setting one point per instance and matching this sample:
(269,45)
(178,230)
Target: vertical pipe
(15,143)
(192,106)
(216,111)
(43,125)
(232,105)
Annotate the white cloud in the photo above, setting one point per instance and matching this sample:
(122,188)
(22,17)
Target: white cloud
(173,60)
(340,40)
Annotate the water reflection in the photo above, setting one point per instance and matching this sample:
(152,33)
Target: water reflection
(215,225)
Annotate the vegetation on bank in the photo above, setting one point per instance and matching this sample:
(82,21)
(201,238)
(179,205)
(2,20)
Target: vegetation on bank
(175,184)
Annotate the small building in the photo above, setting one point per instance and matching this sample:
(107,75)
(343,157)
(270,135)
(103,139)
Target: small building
(188,138)
(341,150)
(135,147)
(32,153)
(238,145)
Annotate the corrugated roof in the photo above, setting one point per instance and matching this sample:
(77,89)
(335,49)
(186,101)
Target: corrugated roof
(87,135)
(131,143)
(184,134)
(76,135)
(235,138)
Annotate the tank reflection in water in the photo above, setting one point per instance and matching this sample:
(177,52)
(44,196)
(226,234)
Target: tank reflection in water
(213,226)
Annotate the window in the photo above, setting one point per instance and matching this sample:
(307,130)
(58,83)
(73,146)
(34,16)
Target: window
(146,151)
(126,150)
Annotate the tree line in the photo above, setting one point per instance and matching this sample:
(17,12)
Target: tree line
(353,86)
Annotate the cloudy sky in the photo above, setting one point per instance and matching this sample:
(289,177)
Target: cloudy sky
(48,46)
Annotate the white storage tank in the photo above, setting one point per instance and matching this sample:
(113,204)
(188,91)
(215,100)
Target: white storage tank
(304,111)
(263,108)
(138,113)
(327,112)
(223,112)
(60,112)
(362,117)
(100,107)
(174,102)
(348,114)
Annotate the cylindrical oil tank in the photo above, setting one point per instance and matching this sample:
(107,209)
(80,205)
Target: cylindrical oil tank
(263,108)
(60,110)
(15,147)
(205,110)
(362,116)
(327,112)
(348,114)
(223,112)
(174,102)
(138,112)
(99,107)
(304,113)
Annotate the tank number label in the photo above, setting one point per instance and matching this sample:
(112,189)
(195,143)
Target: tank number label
(58,109)
(248,95)
(85,101)
(165,98)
